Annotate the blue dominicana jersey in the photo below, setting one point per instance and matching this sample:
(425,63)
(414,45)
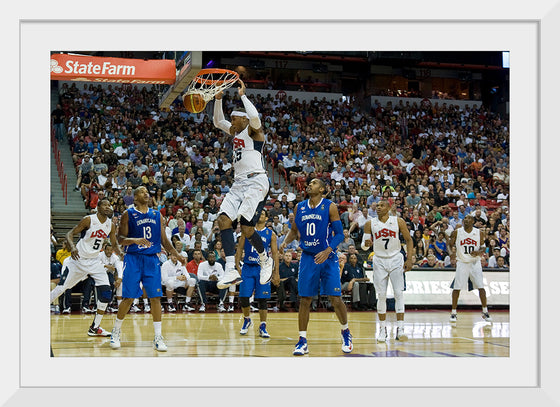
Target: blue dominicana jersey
(313,226)
(146,225)
(251,255)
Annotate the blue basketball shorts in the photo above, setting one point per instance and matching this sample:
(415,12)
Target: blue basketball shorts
(141,268)
(312,276)
(250,273)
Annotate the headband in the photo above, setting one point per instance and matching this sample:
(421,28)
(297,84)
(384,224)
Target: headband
(238,113)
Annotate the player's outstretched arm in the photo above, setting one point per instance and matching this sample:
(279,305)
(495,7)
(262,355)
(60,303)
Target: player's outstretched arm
(167,244)
(219,118)
(292,235)
(76,230)
(276,270)
(239,253)
(250,109)
(366,237)
(409,244)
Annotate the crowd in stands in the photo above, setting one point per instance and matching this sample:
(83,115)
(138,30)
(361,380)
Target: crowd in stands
(434,162)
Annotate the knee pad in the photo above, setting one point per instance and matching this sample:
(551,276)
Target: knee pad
(262,303)
(244,302)
(381,304)
(399,302)
(104,293)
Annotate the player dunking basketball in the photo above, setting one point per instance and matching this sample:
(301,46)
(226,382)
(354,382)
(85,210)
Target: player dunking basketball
(248,193)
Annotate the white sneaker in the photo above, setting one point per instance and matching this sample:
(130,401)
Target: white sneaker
(400,336)
(187,307)
(230,308)
(170,308)
(231,277)
(254,309)
(159,345)
(202,308)
(382,335)
(221,308)
(135,308)
(147,308)
(66,310)
(453,318)
(266,270)
(486,316)
(115,341)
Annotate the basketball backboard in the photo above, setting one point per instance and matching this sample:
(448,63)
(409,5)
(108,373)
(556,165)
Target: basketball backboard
(188,64)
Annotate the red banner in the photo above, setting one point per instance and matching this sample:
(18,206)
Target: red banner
(103,69)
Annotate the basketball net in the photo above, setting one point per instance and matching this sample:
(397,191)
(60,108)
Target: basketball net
(209,82)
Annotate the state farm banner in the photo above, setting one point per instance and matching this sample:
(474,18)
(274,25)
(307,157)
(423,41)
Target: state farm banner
(105,69)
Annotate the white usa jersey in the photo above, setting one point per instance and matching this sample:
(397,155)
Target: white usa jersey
(466,243)
(92,239)
(386,242)
(247,155)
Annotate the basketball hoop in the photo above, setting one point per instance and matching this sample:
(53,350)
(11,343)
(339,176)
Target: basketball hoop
(211,81)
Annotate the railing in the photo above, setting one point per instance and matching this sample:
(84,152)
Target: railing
(60,167)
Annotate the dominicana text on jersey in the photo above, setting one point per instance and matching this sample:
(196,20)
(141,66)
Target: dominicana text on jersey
(313,225)
(251,255)
(144,225)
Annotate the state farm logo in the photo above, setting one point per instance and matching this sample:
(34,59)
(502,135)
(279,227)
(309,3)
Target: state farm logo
(55,68)
(91,68)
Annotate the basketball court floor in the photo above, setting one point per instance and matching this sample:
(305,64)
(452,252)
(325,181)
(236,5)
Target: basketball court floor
(429,334)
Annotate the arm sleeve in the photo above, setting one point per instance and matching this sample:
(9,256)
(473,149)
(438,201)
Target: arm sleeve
(338,234)
(254,120)
(219,119)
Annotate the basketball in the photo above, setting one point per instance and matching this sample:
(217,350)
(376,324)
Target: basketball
(194,102)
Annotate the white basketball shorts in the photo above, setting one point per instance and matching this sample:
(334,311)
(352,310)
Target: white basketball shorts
(78,270)
(244,197)
(172,283)
(388,268)
(464,271)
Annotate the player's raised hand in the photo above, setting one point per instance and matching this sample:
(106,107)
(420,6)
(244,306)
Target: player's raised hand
(242,87)
(219,95)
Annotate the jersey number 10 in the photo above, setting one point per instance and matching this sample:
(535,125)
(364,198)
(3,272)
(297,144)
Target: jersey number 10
(310,229)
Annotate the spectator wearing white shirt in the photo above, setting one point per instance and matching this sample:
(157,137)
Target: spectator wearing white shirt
(209,272)
(174,275)
(184,238)
(290,196)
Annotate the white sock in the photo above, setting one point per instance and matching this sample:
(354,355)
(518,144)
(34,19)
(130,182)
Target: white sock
(145,301)
(484,309)
(135,301)
(303,334)
(231,297)
(118,324)
(170,301)
(382,324)
(187,300)
(400,324)
(97,320)
(454,311)
(119,303)
(157,328)
(230,261)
